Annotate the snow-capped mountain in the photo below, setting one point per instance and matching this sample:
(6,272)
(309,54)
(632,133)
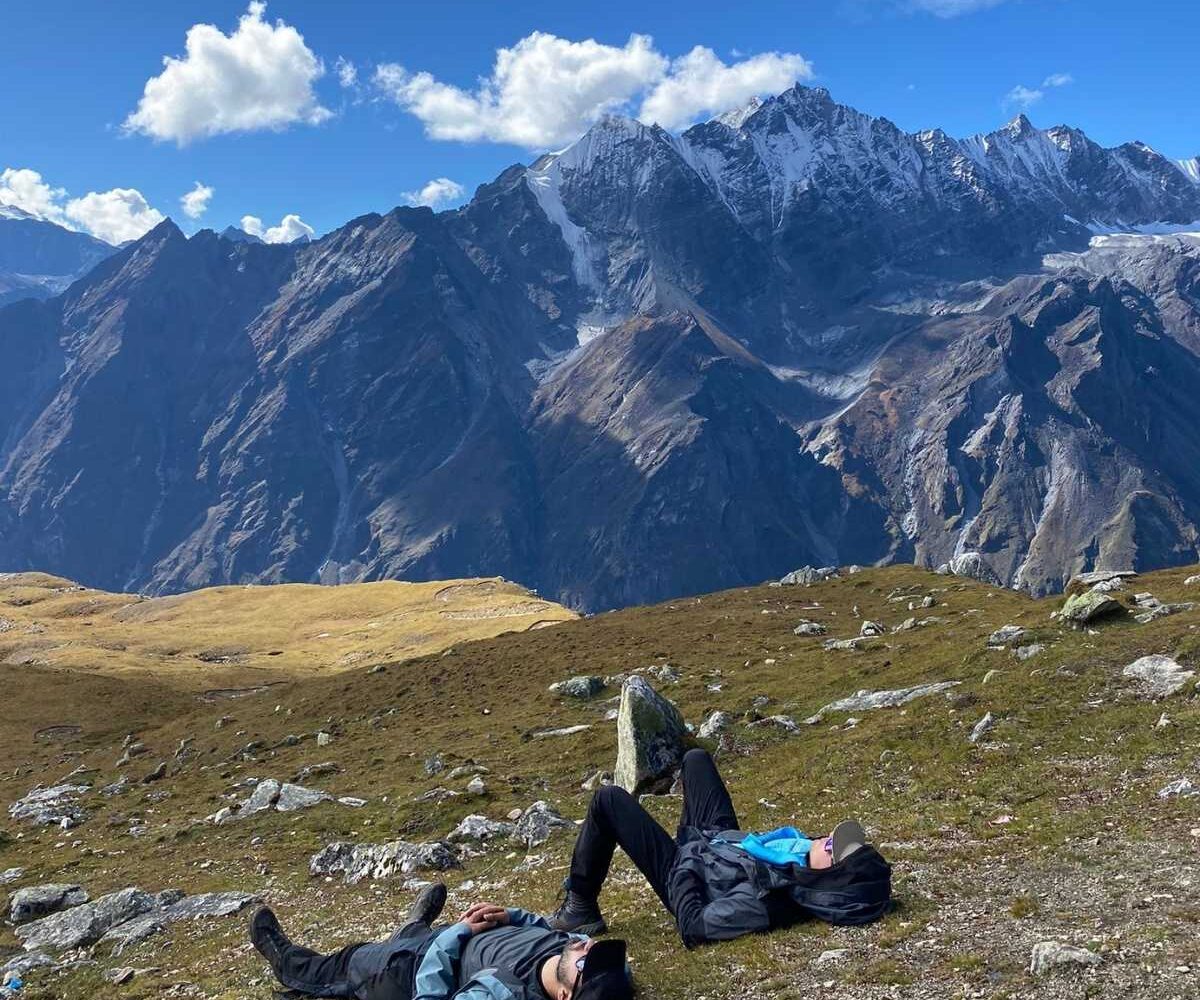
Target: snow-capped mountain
(39,258)
(646,365)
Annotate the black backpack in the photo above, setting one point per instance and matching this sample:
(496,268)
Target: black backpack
(857,890)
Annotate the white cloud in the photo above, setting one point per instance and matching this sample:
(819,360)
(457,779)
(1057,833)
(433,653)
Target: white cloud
(1058,80)
(290,229)
(437,192)
(347,72)
(24,189)
(700,83)
(1023,97)
(114,216)
(546,90)
(195,202)
(259,77)
(951,8)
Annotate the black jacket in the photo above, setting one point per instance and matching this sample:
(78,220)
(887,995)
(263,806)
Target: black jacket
(719,892)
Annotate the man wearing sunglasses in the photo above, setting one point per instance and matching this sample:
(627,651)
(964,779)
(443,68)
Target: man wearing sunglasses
(491,953)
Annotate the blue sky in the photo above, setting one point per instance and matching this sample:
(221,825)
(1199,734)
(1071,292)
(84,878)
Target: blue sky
(294,140)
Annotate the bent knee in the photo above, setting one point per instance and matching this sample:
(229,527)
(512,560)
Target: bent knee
(697,757)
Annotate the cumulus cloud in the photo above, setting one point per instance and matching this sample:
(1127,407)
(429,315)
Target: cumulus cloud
(347,72)
(114,216)
(1026,97)
(290,229)
(259,77)
(700,83)
(546,90)
(439,191)
(195,202)
(24,189)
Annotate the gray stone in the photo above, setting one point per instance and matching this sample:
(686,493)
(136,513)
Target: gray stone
(651,736)
(1100,576)
(982,728)
(783,722)
(1163,611)
(870,628)
(324,739)
(173,908)
(264,797)
(545,734)
(970,564)
(311,771)
(1050,955)
(157,774)
(86,924)
(1159,676)
(466,770)
(476,786)
(11,875)
(480,828)
(809,628)
(356,862)
(434,764)
(37,901)
(859,640)
(1082,609)
(806,575)
(1028,652)
(1181,788)
(863,701)
(714,725)
(538,823)
(1191,581)
(1006,635)
(594,782)
(118,787)
(46,806)
(579,687)
(293,797)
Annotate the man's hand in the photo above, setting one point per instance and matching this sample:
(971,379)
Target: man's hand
(480,917)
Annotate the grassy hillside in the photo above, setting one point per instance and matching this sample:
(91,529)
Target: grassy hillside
(1050,827)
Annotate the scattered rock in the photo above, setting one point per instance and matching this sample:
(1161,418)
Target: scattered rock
(157,774)
(990,675)
(119,977)
(1182,788)
(1028,652)
(480,828)
(809,628)
(311,771)
(1191,581)
(784,722)
(579,687)
(466,770)
(45,806)
(270,794)
(355,862)
(595,781)
(858,640)
(538,823)
(293,797)
(37,901)
(982,728)
(434,764)
(476,786)
(1159,676)
(714,725)
(545,734)
(863,701)
(1100,576)
(1081,609)
(831,955)
(173,907)
(1159,610)
(324,739)
(86,924)
(928,601)
(11,875)
(1006,635)
(970,564)
(807,575)
(870,628)
(1049,955)
(651,736)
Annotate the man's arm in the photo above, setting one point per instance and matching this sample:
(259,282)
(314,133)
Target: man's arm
(741,912)
(523,918)
(437,978)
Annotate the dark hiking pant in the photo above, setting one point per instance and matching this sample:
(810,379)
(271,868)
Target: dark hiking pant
(378,970)
(616,819)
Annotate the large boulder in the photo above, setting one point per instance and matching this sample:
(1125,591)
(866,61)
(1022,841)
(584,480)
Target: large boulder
(807,575)
(45,806)
(1050,955)
(579,687)
(293,797)
(1158,675)
(1082,609)
(205,904)
(481,829)
(651,737)
(970,564)
(355,862)
(86,924)
(37,901)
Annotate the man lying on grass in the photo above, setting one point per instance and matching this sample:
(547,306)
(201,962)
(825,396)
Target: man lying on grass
(492,953)
(717,882)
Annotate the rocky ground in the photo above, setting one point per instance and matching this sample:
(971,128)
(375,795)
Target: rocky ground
(1030,769)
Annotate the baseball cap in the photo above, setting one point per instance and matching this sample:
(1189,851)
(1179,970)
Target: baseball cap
(604,975)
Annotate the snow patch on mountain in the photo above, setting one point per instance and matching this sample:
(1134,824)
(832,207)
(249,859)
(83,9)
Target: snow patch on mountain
(545,187)
(1190,168)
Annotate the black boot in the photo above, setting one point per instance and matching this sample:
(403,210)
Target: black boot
(578,914)
(428,906)
(267,936)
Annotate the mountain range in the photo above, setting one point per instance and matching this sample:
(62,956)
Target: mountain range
(39,259)
(648,365)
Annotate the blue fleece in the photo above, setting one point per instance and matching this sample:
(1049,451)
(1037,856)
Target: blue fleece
(785,846)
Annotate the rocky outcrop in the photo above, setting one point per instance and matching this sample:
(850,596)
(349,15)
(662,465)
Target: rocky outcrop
(579,687)
(651,737)
(1158,676)
(1083,609)
(864,701)
(538,823)
(36,901)
(58,804)
(356,862)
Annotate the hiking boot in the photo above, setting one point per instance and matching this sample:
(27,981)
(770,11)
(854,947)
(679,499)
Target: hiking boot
(267,936)
(428,906)
(577,914)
